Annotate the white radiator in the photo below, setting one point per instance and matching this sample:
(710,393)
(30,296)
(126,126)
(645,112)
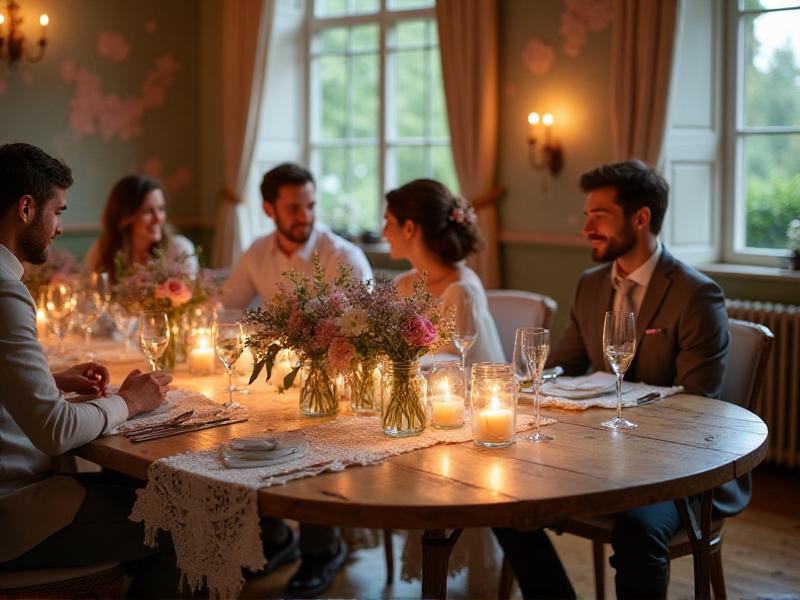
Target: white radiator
(779,402)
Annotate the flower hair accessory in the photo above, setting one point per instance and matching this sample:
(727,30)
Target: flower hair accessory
(462,212)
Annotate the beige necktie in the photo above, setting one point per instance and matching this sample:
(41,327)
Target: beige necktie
(625,289)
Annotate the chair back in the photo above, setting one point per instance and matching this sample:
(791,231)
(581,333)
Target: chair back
(751,345)
(511,309)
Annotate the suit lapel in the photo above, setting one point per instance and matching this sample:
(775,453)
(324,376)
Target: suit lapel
(656,292)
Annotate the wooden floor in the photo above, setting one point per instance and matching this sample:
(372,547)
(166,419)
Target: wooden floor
(761,556)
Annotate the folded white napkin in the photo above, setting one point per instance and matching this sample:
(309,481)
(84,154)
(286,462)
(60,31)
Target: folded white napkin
(631,394)
(585,386)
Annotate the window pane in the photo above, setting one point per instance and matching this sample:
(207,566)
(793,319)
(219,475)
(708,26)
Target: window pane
(410,94)
(332,186)
(771,181)
(757,4)
(365,96)
(410,164)
(331,40)
(772,69)
(366,200)
(332,72)
(407,4)
(330,8)
(409,33)
(364,37)
(439,125)
(442,167)
(361,7)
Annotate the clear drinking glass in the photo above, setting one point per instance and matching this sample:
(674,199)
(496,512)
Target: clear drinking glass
(535,344)
(519,362)
(619,346)
(100,286)
(89,307)
(229,344)
(465,331)
(60,304)
(154,335)
(123,321)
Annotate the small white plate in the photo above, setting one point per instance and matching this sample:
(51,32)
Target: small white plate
(253,444)
(237,462)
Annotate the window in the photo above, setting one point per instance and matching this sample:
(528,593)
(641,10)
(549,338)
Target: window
(377,116)
(766,137)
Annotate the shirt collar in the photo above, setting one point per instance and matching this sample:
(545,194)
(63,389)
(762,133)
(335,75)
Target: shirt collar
(10,262)
(641,275)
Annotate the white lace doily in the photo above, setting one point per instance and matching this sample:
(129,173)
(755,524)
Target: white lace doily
(212,511)
(630,396)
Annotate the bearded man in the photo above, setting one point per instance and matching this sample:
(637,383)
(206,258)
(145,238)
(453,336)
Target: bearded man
(682,339)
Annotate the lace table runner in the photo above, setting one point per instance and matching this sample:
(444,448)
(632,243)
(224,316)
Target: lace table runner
(212,511)
(631,394)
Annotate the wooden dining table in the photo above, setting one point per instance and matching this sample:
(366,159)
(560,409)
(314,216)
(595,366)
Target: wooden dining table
(685,445)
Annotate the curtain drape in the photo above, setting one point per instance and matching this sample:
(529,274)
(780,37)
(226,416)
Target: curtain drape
(245,40)
(642,41)
(469,54)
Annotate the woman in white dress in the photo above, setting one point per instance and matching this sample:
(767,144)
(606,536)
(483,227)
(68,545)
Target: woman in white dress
(135,223)
(435,231)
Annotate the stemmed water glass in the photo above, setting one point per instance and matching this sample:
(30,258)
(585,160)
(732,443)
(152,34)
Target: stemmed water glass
(123,321)
(535,345)
(619,346)
(229,344)
(60,304)
(154,335)
(465,331)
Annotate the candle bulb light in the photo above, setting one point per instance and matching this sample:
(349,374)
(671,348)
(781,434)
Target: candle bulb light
(547,153)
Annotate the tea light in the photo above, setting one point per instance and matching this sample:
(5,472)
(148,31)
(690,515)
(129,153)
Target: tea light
(280,370)
(495,425)
(447,411)
(202,356)
(494,402)
(41,321)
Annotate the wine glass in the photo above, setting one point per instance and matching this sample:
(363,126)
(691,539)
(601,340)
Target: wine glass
(619,346)
(60,304)
(100,286)
(123,321)
(154,335)
(520,362)
(229,344)
(465,331)
(535,345)
(89,309)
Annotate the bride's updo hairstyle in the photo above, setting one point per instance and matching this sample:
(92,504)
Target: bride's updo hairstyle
(448,222)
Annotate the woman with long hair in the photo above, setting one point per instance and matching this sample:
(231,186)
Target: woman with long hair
(135,224)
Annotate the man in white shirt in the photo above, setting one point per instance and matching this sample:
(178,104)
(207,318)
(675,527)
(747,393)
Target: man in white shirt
(289,195)
(46,520)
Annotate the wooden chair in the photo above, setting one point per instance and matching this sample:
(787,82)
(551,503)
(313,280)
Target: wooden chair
(516,308)
(751,345)
(103,582)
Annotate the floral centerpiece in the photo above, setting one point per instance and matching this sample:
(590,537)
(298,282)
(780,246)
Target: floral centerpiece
(793,239)
(61,266)
(164,285)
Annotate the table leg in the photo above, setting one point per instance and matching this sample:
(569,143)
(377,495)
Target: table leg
(436,549)
(700,538)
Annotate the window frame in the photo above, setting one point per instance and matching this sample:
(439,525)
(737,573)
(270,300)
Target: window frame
(387,142)
(735,217)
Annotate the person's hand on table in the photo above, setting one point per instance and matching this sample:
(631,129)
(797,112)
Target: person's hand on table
(89,378)
(144,391)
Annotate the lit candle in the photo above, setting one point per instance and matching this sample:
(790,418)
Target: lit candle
(447,411)
(280,370)
(495,424)
(41,322)
(201,357)
(341,387)
(2,20)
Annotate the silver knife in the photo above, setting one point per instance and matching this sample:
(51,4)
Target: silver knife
(648,398)
(177,430)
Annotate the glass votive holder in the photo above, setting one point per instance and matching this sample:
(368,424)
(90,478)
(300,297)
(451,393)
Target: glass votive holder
(200,351)
(364,386)
(494,404)
(446,396)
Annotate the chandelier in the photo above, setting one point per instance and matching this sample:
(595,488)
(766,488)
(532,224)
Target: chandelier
(12,40)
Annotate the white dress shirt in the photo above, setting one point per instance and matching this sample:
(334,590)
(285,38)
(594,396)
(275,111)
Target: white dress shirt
(260,269)
(640,276)
(36,424)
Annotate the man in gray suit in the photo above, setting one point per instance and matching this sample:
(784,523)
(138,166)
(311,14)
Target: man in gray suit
(682,336)
(46,520)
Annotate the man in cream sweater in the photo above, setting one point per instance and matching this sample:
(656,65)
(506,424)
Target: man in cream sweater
(48,520)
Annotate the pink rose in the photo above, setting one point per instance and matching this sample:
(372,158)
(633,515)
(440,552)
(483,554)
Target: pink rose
(340,354)
(419,331)
(174,290)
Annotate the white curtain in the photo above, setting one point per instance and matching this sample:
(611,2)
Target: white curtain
(642,42)
(468,46)
(247,25)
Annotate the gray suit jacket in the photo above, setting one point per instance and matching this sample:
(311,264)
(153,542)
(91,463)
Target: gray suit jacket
(682,339)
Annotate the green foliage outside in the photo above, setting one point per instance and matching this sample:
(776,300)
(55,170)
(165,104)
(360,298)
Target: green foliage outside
(771,165)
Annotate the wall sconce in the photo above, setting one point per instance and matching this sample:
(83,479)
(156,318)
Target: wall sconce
(545,153)
(12,46)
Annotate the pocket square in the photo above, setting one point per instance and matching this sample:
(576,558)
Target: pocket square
(653,331)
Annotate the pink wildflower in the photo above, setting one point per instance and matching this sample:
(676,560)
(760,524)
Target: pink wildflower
(340,354)
(419,331)
(174,290)
(324,333)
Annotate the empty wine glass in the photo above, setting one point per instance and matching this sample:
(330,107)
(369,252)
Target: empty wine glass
(465,331)
(100,286)
(520,362)
(60,304)
(123,321)
(89,308)
(619,346)
(535,345)
(154,335)
(229,344)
